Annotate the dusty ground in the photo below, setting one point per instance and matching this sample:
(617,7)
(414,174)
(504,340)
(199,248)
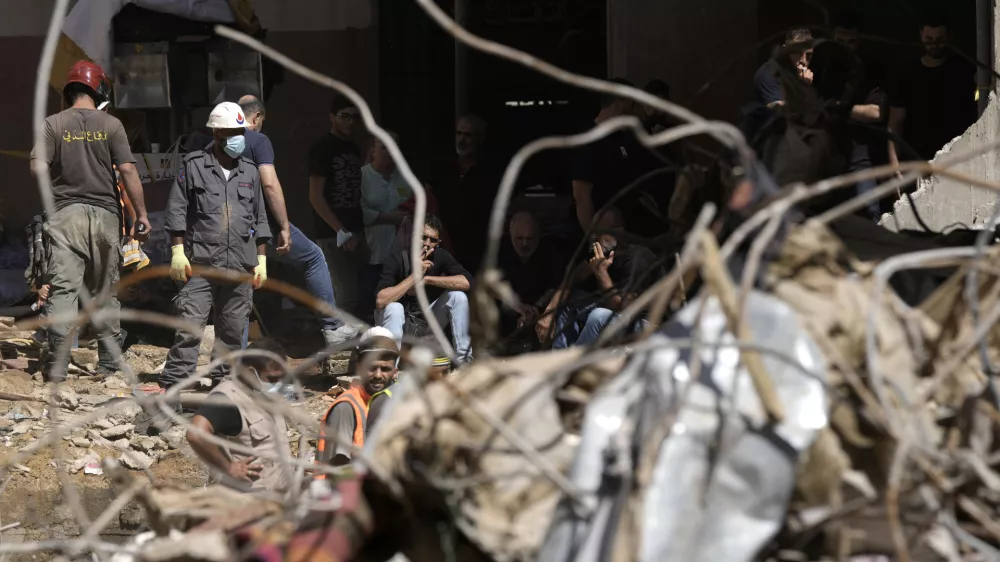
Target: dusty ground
(33,494)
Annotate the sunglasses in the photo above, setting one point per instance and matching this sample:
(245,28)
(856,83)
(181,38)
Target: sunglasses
(348,116)
(431,239)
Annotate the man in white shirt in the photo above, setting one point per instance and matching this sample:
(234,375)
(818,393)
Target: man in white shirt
(382,191)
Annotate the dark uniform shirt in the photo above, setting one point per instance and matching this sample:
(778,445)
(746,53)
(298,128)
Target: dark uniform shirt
(398,267)
(81,145)
(222,220)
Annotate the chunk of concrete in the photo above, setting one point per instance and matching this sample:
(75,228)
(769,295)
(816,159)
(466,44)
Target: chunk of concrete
(174,436)
(82,442)
(90,458)
(125,412)
(22,427)
(118,431)
(136,460)
(66,397)
(103,423)
(16,382)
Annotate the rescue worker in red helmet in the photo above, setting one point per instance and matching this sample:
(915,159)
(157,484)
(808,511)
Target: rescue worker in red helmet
(80,147)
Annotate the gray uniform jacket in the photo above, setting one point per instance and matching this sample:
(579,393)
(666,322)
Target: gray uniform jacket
(222,221)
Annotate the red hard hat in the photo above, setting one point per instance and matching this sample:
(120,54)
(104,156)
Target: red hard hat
(92,76)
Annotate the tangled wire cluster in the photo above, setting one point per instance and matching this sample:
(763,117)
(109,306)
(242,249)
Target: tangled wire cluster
(700,252)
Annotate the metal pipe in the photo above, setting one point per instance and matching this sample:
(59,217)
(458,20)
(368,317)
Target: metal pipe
(984,52)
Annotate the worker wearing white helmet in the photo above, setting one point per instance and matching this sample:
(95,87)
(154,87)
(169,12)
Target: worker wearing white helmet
(215,218)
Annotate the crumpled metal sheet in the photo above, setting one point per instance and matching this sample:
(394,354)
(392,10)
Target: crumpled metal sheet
(722,481)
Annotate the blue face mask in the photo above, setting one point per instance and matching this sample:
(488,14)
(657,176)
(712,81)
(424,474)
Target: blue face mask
(235,145)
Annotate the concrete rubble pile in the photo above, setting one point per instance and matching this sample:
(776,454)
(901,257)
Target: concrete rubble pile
(842,423)
(650,454)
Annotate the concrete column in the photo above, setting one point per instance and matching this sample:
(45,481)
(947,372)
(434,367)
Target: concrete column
(687,44)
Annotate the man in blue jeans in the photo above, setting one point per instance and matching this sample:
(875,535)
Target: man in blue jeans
(615,273)
(447,283)
(292,246)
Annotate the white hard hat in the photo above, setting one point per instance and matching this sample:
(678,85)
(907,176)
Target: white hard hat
(376,331)
(226,115)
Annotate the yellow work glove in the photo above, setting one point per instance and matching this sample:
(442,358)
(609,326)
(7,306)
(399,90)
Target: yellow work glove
(260,272)
(180,267)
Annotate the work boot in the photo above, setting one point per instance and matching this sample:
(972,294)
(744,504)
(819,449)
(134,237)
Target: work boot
(345,333)
(54,370)
(106,364)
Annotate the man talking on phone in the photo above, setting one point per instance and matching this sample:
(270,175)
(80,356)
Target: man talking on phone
(613,275)
(447,286)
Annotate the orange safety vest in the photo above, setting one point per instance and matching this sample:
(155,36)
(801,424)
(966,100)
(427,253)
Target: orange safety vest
(357,398)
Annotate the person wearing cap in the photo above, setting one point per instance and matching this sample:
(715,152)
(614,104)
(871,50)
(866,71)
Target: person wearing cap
(440,368)
(346,421)
(215,218)
(80,148)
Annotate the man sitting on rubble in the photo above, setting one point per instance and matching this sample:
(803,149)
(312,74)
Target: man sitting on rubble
(615,274)
(233,411)
(447,283)
(215,217)
(345,422)
(440,368)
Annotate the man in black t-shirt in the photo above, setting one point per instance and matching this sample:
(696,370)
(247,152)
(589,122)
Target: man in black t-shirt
(447,283)
(934,99)
(605,167)
(335,194)
(615,273)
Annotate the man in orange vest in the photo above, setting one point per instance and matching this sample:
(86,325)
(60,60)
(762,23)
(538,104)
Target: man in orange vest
(347,418)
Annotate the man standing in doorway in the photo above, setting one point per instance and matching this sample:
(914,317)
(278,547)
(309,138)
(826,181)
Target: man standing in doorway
(612,164)
(81,146)
(335,194)
(469,191)
(934,99)
(292,246)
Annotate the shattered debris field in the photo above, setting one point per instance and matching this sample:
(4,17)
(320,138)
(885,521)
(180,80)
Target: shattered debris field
(101,422)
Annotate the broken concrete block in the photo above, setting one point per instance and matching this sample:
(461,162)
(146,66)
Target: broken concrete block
(97,439)
(125,412)
(83,357)
(103,423)
(114,383)
(122,445)
(118,431)
(136,460)
(174,436)
(148,444)
(90,458)
(16,382)
(66,397)
(82,442)
(21,428)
